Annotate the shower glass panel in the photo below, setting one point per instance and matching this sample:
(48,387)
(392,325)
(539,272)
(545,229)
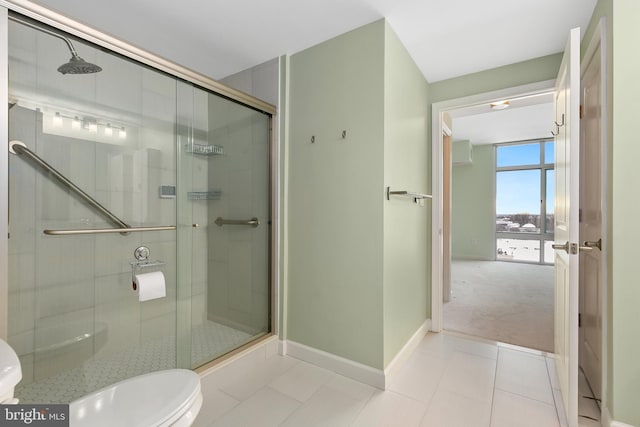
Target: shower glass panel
(224,201)
(154,150)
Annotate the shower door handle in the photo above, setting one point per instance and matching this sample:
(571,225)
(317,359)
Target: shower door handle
(253,222)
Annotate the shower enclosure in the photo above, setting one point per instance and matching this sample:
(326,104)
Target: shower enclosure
(157,160)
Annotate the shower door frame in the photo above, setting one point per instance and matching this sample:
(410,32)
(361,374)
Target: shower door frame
(63,23)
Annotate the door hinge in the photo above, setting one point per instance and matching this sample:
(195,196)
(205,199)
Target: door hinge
(580,215)
(579,320)
(581,111)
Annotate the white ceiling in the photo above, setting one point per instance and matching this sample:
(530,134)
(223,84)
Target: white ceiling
(446,38)
(526,118)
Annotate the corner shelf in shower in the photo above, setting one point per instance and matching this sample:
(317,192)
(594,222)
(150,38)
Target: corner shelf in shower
(203,149)
(204,195)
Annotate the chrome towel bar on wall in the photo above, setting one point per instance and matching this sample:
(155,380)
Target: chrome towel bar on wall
(403,193)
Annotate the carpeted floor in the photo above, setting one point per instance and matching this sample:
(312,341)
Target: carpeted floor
(502,301)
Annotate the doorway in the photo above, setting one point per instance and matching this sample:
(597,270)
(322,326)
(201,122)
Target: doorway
(501,281)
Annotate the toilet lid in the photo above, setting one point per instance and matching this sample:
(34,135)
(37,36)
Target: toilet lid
(153,399)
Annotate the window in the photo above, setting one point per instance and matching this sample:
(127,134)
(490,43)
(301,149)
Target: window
(525,182)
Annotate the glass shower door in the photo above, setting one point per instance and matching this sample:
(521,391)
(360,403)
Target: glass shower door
(153,150)
(225,210)
(74,319)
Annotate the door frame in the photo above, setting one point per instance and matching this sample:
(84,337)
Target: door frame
(437,220)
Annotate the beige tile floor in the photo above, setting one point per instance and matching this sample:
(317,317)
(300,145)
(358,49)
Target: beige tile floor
(449,381)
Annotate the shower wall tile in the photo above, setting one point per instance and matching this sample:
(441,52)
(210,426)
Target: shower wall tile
(161,306)
(200,210)
(260,278)
(23,49)
(22,267)
(26,364)
(218,288)
(22,240)
(114,253)
(198,310)
(260,81)
(105,165)
(23,343)
(161,85)
(165,251)
(239,192)
(118,309)
(240,276)
(162,140)
(218,243)
(259,319)
(64,298)
(67,260)
(122,90)
(199,288)
(199,255)
(21,311)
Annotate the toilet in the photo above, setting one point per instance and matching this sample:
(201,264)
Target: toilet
(157,399)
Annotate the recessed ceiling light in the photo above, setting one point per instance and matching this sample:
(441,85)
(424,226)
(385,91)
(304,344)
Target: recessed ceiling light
(499,105)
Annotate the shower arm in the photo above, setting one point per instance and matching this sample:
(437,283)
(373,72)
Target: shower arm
(73,51)
(19,148)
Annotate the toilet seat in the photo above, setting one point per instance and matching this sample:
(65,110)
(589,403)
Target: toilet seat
(157,399)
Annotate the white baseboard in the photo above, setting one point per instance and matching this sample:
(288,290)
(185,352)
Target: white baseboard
(354,370)
(607,421)
(348,368)
(403,355)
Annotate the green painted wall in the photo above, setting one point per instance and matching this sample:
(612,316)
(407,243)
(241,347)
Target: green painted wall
(335,200)
(472,206)
(358,265)
(521,73)
(625,288)
(407,226)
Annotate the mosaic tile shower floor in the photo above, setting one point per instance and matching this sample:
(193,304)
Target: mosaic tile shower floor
(209,339)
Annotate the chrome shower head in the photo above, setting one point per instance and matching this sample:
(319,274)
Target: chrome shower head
(77,65)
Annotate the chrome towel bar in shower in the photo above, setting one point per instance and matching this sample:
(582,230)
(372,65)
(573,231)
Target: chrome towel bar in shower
(253,222)
(107,230)
(19,148)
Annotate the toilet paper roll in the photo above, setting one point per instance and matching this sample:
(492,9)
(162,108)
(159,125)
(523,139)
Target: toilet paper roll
(150,285)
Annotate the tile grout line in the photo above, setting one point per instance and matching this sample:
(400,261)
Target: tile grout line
(493,393)
(334,374)
(553,395)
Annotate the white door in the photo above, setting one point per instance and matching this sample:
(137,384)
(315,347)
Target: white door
(567,150)
(591,218)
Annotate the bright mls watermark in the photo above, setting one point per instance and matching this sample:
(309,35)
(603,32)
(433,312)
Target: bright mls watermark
(34,415)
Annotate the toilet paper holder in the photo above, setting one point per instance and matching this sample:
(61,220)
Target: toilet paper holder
(142,261)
